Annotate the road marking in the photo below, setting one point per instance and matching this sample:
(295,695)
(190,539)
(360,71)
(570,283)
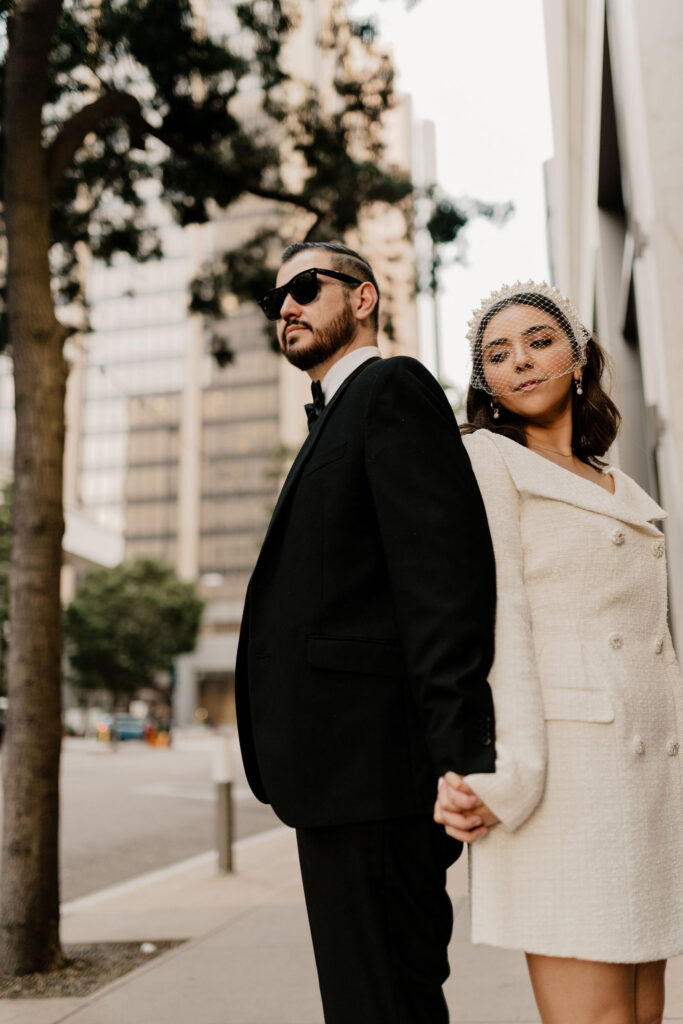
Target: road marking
(183,791)
(151,877)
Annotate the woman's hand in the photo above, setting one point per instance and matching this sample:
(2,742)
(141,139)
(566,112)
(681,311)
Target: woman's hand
(461,811)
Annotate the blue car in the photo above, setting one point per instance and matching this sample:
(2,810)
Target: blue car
(122,726)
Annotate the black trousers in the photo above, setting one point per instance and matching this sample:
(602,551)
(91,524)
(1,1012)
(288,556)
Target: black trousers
(380,919)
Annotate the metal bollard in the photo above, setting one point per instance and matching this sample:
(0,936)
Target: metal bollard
(222,777)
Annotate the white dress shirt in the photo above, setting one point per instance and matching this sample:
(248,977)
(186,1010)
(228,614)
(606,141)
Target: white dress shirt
(344,367)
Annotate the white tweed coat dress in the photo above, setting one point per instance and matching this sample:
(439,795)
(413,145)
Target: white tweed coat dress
(588,859)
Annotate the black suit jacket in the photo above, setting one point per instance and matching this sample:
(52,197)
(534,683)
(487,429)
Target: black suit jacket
(368,627)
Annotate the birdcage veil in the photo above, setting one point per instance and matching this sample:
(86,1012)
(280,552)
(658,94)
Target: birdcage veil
(523,335)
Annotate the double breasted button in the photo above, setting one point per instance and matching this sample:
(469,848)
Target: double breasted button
(672,748)
(658,548)
(638,744)
(615,641)
(659,645)
(618,537)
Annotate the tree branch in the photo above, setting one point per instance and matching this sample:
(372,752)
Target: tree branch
(177,144)
(114,103)
(284,197)
(314,226)
(62,150)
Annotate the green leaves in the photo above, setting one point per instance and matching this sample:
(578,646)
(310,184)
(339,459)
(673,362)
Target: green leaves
(178,127)
(126,625)
(202,113)
(445,222)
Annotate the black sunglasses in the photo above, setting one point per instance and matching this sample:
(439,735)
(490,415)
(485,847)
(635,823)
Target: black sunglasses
(303,288)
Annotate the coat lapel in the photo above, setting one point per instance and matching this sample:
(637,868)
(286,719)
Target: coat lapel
(312,440)
(535,475)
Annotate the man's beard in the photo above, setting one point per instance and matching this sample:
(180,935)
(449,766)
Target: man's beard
(324,341)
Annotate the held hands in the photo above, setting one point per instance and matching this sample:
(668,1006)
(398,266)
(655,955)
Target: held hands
(461,811)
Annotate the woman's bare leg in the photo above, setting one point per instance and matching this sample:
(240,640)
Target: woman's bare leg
(650,992)
(572,991)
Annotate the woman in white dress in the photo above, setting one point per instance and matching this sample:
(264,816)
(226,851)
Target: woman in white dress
(577,837)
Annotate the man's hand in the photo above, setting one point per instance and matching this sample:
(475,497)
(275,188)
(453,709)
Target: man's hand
(460,810)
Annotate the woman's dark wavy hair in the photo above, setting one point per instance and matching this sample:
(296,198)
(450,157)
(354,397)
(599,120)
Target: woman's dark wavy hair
(595,417)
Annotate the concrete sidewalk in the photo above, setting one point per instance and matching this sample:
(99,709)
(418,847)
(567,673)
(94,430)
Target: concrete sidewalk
(249,959)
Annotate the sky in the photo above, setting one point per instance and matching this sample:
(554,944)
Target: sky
(477,69)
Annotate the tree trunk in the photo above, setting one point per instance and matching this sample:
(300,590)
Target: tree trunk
(29,891)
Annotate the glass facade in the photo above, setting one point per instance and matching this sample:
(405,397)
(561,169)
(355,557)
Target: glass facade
(139,451)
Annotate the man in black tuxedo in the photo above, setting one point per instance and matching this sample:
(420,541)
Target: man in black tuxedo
(365,645)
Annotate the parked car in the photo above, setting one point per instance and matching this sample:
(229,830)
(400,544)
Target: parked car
(122,726)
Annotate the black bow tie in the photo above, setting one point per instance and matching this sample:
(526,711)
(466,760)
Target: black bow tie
(314,408)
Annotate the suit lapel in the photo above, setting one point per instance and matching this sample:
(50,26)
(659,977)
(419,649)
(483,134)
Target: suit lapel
(312,440)
(536,475)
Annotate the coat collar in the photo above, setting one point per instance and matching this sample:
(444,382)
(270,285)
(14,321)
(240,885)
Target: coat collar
(536,475)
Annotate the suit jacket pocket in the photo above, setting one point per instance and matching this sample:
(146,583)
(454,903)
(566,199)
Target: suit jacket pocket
(354,654)
(323,458)
(576,705)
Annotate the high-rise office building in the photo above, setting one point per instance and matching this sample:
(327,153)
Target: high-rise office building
(615,201)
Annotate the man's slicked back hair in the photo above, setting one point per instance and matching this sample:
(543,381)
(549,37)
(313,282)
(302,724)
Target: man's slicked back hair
(345,260)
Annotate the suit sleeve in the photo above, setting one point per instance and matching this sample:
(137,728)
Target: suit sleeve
(440,561)
(515,788)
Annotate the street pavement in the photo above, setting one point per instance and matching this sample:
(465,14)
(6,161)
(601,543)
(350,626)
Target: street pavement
(139,808)
(248,958)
